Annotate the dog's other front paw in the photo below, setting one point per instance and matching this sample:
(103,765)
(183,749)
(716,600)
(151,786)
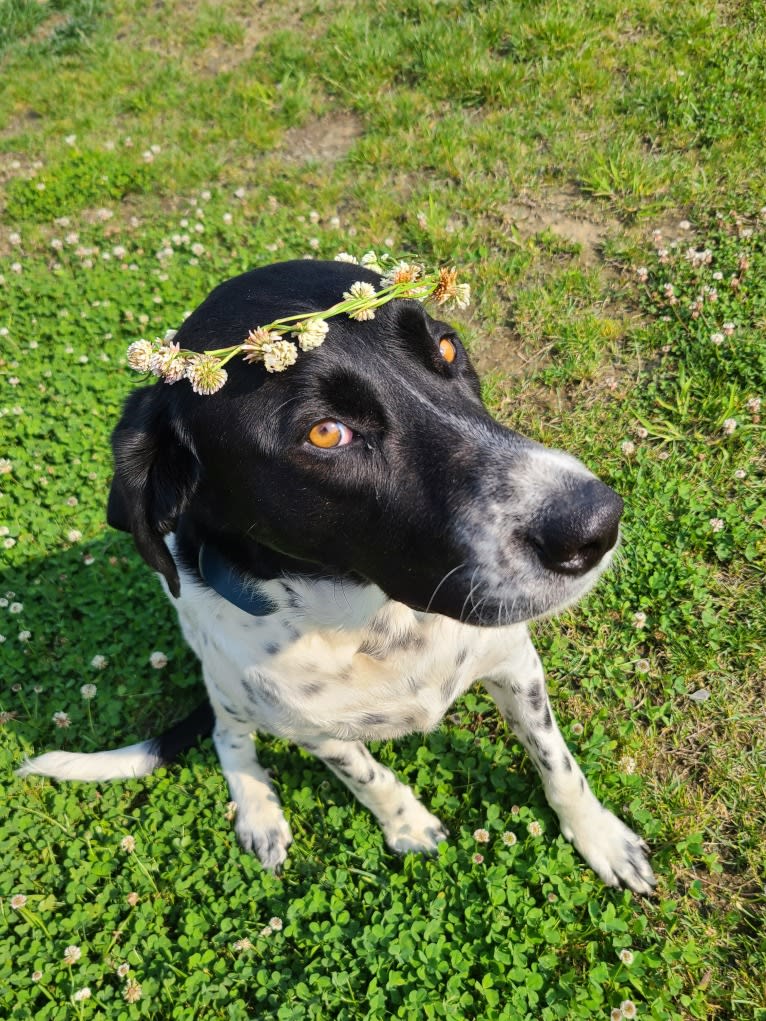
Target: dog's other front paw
(267,838)
(413,828)
(618,855)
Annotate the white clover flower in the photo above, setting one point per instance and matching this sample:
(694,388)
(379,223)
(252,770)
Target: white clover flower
(230,811)
(716,524)
(477,858)
(99,662)
(629,1009)
(158,660)
(642,666)
(61,719)
(402,273)
(370,260)
(717,339)
(311,333)
(626,956)
(74,535)
(6,466)
(266,930)
(509,838)
(122,970)
(642,274)
(72,954)
(534,829)
(345,257)
(729,426)
(242,944)
(615,1014)
(276,924)
(740,473)
(16,608)
(577,728)
(205,374)
(132,898)
(361,291)
(754,405)
(628,448)
(24,636)
(18,901)
(256,341)
(639,619)
(140,354)
(168,362)
(88,691)
(728,328)
(36,976)
(128,844)
(279,356)
(133,991)
(81,994)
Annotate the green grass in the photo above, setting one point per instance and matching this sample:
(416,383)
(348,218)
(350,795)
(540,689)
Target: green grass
(421,127)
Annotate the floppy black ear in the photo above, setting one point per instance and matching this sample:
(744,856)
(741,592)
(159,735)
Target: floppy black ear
(155,474)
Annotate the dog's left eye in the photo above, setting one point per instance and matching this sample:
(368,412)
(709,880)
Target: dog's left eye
(447,350)
(329,433)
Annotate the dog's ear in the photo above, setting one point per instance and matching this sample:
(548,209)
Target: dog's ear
(155,475)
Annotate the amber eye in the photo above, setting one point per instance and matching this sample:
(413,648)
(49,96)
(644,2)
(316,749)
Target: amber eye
(447,350)
(329,433)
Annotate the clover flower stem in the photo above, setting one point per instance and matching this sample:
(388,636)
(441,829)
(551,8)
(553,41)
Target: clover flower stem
(137,861)
(34,920)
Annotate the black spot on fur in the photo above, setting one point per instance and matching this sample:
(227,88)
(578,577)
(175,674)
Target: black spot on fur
(258,689)
(372,719)
(370,647)
(536,696)
(272,648)
(414,684)
(312,688)
(547,718)
(461,657)
(544,761)
(567,763)
(447,688)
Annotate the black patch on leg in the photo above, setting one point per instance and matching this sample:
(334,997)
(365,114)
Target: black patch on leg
(536,696)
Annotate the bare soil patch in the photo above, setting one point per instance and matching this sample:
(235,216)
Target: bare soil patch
(324,140)
(566,213)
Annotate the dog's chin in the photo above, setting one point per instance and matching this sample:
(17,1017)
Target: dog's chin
(549,594)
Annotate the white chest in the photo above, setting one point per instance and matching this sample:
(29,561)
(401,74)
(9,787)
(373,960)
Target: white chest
(336,661)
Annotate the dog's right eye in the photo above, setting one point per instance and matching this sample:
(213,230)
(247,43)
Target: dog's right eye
(329,433)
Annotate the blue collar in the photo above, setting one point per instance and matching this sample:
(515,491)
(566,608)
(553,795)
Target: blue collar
(222,576)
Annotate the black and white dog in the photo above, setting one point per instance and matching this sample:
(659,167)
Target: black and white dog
(350,544)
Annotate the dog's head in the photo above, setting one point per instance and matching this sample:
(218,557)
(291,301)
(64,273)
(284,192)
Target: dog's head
(372,457)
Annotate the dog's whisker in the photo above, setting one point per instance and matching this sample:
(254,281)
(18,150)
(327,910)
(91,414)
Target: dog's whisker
(447,575)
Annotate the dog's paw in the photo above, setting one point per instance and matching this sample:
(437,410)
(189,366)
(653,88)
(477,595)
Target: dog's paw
(268,838)
(618,855)
(413,828)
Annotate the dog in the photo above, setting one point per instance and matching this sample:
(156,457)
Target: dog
(350,544)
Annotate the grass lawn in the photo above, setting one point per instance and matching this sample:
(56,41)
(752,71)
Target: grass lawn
(597,172)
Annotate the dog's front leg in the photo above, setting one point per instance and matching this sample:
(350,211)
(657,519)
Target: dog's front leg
(616,853)
(260,823)
(407,825)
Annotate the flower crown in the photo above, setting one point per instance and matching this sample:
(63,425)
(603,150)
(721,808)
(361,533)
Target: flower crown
(205,370)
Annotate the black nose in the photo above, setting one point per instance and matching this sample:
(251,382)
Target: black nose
(572,535)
